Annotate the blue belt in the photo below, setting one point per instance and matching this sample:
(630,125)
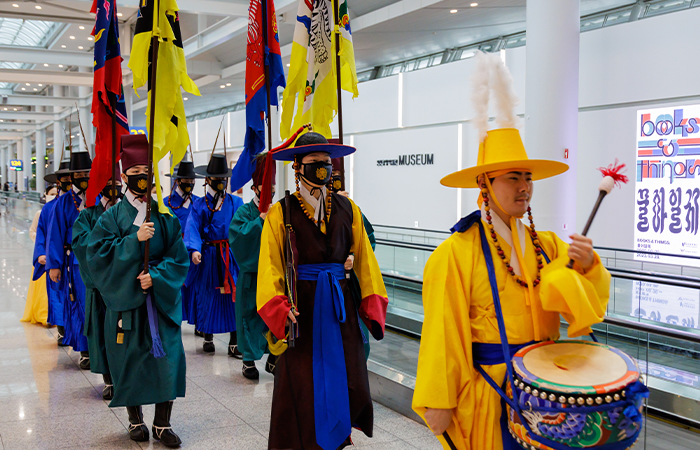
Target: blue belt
(331,398)
(492,354)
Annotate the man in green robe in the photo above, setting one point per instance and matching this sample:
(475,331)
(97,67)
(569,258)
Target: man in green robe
(244,237)
(144,310)
(94,304)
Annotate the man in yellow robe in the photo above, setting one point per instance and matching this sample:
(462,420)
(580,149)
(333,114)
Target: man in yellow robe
(451,395)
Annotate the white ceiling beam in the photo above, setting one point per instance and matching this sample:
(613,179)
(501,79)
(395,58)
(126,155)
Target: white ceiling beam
(40,100)
(210,7)
(204,68)
(46,77)
(34,55)
(10,136)
(76,18)
(17,126)
(26,115)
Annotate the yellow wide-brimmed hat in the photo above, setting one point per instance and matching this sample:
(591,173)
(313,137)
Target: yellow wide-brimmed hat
(503,149)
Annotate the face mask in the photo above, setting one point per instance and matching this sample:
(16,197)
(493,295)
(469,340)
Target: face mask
(138,184)
(49,198)
(66,185)
(80,183)
(107,191)
(318,173)
(186,187)
(217,185)
(337,183)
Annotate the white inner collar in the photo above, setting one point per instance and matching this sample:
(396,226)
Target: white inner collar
(315,203)
(181,193)
(81,197)
(139,205)
(212,192)
(506,234)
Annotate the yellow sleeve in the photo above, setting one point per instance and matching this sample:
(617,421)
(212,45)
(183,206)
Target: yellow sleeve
(581,298)
(273,304)
(445,367)
(374,296)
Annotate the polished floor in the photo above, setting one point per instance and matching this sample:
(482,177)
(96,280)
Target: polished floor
(47,402)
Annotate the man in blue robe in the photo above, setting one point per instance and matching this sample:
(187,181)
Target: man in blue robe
(215,274)
(61,263)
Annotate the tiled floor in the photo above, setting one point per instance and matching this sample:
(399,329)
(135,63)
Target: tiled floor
(47,402)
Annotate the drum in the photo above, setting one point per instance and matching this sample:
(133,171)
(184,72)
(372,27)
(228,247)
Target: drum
(576,394)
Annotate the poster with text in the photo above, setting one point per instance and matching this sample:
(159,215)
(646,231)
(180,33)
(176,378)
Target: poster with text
(667,188)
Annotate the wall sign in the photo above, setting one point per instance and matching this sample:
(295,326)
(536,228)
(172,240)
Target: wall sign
(138,130)
(427,159)
(16,165)
(666,304)
(667,197)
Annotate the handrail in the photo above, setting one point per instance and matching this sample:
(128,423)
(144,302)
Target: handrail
(409,245)
(413,229)
(652,279)
(654,329)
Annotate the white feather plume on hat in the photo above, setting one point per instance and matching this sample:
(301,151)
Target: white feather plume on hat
(492,75)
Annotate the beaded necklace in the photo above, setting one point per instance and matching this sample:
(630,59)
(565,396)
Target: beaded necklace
(209,207)
(72,196)
(297,194)
(184,200)
(502,254)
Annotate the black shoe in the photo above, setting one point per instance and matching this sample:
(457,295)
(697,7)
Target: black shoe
(108,391)
(208,345)
(233,347)
(84,361)
(347,443)
(250,371)
(138,431)
(271,364)
(61,335)
(162,430)
(198,333)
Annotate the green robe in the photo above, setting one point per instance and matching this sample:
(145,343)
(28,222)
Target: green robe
(244,238)
(94,305)
(116,258)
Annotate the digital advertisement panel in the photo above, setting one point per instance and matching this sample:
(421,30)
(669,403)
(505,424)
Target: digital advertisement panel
(667,196)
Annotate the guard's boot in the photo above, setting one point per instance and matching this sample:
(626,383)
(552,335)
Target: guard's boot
(84,361)
(271,364)
(208,346)
(198,333)
(233,347)
(61,334)
(250,371)
(162,430)
(138,431)
(108,391)
(347,443)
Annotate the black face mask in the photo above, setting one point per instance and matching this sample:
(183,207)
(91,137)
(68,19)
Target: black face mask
(80,183)
(318,173)
(187,187)
(138,184)
(66,185)
(337,183)
(107,191)
(218,185)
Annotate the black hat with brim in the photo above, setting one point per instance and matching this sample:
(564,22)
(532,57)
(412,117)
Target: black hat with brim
(217,168)
(80,162)
(63,169)
(184,170)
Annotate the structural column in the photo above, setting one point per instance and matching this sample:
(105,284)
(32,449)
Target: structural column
(58,135)
(3,164)
(551,107)
(26,163)
(40,159)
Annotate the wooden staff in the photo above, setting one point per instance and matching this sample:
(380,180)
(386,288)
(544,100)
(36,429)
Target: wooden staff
(113,105)
(155,43)
(337,71)
(266,66)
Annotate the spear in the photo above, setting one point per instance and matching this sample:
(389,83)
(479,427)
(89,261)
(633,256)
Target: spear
(266,64)
(337,70)
(151,133)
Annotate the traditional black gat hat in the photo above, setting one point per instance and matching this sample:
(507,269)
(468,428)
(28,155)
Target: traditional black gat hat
(63,169)
(80,162)
(217,167)
(184,170)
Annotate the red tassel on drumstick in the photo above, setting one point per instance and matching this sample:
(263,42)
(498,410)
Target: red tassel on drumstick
(612,177)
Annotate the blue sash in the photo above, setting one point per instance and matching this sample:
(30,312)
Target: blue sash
(331,398)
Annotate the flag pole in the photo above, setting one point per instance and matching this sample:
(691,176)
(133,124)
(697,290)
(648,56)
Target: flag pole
(113,105)
(151,133)
(337,70)
(266,65)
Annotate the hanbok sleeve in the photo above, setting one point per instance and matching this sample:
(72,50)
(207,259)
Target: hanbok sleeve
(115,262)
(445,365)
(244,236)
(193,234)
(81,236)
(40,242)
(56,236)
(273,304)
(370,232)
(32,228)
(580,297)
(169,274)
(374,296)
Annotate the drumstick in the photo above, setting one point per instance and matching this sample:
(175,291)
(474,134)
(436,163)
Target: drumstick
(611,178)
(449,441)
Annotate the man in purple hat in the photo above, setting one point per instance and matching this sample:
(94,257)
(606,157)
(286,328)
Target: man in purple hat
(94,304)
(144,311)
(244,236)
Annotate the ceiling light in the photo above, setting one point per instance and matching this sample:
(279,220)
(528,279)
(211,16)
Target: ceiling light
(46,65)
(27,84)
(185,98)
(36,89)
(71,37)
(4,109)
(40,85)
(15,5)
(90,38)
(119,14)
(222,86)
(23,90)
(80,47)
(228,84)
(72,136)
(1,120)
(287,65)
(38,6)
(15,109)
(63,46)
(453,11)
(60,65)
(473,4)
(81,27)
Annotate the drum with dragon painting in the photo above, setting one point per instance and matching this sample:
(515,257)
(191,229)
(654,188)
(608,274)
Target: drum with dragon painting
(576,394)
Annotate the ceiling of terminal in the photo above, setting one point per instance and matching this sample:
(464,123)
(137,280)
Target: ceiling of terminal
(214,34)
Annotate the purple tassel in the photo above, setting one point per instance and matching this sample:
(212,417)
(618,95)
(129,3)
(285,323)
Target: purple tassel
(157,350)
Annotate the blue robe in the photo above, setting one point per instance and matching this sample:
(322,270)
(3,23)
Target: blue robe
(216,311)
(55,300)
(59,256)
(189,304)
